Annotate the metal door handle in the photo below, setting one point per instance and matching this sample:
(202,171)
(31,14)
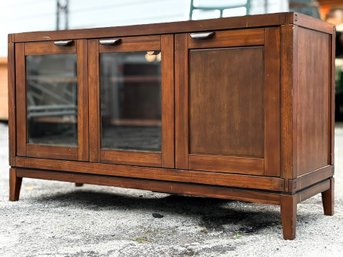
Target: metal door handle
(202,35)
(110,42)
(63,42)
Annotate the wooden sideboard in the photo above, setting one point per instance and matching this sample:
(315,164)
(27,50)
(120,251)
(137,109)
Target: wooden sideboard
(236,108)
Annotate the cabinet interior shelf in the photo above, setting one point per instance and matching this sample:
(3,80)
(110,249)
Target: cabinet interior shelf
(136,79)
(51,79)
(136,122)
(114,79)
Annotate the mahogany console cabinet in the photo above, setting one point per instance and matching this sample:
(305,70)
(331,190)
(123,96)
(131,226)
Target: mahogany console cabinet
(235,108)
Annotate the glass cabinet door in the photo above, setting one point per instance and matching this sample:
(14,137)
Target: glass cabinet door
(131,91)
(51,95)
(130,95)
(51,99)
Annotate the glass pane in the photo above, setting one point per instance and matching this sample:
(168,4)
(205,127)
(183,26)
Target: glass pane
(131,101)
(51,82)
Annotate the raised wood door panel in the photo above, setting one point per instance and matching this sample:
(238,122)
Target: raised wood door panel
(228,102)
(132,100)
(226,119)
(52,100)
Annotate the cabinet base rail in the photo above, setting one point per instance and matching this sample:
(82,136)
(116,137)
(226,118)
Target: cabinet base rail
(287,202)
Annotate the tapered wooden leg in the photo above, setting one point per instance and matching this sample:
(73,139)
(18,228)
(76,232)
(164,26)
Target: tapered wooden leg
(289,216)
(15,185)
(78,184)
(328,199)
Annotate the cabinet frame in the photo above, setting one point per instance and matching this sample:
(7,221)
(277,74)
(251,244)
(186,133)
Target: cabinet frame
(80,152)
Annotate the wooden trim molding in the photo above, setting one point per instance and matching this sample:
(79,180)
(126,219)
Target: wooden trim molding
(249,21)
(312,23)
(20,94)
(254,166)
(172,187)
(43,48)
(332,99)
(199,177)
(168,102)
(11,102)
(131,157)
(155,185)
(52,152)
(309,179)
(127,44)
(83,113)
(287,81)
(94,100)
(272,147)
(313,190)
(230,38)
(181,102)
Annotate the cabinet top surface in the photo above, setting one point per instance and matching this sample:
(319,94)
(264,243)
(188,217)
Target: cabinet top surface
(250,21)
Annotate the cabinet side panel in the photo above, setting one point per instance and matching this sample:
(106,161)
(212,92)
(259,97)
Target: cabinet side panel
(332,100)
(312,100)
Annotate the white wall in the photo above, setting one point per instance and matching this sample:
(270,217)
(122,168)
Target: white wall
(35,15)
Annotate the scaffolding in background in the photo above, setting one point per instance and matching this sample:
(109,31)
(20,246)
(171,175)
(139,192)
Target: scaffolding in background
(220,8)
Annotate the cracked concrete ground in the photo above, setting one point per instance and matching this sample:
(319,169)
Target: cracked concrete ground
(58,219)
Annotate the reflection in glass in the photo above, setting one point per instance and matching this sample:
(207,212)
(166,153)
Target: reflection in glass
(51,82)
(131,101)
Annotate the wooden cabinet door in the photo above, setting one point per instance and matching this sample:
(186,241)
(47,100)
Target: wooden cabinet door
(132,100)
(228,101)
(52,99)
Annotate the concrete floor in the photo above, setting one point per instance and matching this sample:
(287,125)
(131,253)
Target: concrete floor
(57,219)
